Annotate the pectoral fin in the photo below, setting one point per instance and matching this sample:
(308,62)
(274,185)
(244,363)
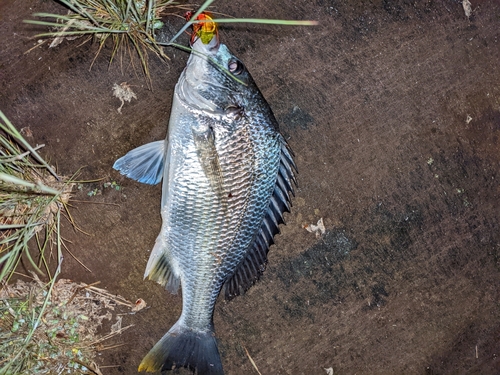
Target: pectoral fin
(144,163)
(209,159)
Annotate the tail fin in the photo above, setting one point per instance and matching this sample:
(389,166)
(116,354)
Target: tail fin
(183,347)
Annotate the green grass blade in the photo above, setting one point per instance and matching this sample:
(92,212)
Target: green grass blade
(62,17)
(16,226)
(208,58)
(35,187)
(81,28)
(78,8)
(11,130)
(261,21)
(149,15)
(205,5)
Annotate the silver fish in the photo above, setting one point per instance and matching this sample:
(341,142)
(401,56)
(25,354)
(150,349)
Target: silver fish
(227,177)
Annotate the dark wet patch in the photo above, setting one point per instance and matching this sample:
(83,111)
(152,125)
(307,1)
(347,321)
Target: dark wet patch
(320,266)
(330,250)
(338,266)
(406,9)
(296,118)
(378,297)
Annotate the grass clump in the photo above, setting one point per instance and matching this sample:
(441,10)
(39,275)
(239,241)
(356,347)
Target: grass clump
(53,328)
(130,24)
(45,327)
(32,198)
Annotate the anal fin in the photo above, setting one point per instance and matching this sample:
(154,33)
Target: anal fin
(159,268)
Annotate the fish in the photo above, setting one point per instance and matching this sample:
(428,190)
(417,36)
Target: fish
(228,178)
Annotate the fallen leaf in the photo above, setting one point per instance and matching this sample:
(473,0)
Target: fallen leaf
(124,93)
(139,305)
(467,8)
(319,228)
(118,325)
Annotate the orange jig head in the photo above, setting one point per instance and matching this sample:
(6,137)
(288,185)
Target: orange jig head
(204,30)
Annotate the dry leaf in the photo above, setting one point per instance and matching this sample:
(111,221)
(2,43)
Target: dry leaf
(467,8)
(139,305)
(124,93)
(118,325)
(319,228)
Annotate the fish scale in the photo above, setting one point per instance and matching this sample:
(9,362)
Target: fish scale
(197,203)
(227,177)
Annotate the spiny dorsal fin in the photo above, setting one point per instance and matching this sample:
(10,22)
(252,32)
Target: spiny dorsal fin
(254,264)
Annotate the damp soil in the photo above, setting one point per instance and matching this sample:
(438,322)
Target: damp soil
(393,111)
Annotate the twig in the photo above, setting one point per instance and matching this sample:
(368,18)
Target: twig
(104,203)
(75,258)
(36,46)
(79,289)
(90,366)
(252,362)
(118,299)
(110,347)
(108,336)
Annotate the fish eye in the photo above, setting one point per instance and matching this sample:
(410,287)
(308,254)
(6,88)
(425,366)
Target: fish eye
(236,67)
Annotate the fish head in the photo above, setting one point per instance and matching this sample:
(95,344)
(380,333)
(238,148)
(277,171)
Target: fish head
(214,79)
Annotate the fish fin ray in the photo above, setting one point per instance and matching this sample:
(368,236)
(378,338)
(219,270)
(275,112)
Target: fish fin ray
(159,269)
(144,163)
(254,264)
(184,347)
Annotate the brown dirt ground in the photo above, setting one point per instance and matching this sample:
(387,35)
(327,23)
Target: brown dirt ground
(374,102)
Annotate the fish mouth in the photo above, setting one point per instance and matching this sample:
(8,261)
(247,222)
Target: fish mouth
(205,30)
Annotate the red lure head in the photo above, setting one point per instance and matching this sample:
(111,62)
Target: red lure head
(205,30)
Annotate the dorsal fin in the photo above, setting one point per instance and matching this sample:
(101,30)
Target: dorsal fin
(254,264)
